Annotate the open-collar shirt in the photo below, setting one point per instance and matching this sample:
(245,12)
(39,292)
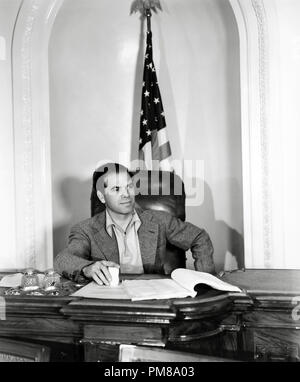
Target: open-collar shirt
(128,243)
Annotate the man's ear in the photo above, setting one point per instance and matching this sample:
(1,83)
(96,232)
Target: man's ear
(100,196)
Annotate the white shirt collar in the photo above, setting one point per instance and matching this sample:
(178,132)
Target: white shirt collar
(110,223)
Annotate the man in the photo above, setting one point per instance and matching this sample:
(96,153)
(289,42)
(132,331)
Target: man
(125,237)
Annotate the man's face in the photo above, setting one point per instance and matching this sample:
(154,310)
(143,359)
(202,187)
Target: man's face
(119,194)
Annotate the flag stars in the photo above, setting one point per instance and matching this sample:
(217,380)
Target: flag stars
(152,117)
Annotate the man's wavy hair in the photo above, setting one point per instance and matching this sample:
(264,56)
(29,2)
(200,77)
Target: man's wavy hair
(98,178)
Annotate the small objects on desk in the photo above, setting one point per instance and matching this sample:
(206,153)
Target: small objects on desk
(34,293)
(64,288)
(12,292)
(20,291)
(16,279)
(51,280)
(33,283)
(53,293)
(30,280)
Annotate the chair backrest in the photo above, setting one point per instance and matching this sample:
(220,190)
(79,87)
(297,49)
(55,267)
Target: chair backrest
(155,190)
(132,353)
(19,351)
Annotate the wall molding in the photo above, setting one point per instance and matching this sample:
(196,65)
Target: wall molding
(263,65)
(260,94)
(32,132)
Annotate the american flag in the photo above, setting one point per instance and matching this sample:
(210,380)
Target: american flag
(154,146)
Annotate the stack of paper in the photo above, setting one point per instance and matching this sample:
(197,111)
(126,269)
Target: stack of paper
(155,289)
(136,290)
(93,290)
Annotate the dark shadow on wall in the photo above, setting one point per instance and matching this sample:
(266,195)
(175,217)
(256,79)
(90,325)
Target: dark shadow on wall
(75,197)
(228,242)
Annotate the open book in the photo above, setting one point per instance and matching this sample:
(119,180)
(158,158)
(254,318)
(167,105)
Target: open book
(182,284)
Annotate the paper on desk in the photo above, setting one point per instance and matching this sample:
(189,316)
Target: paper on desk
(136,290)
(93,290)
(155,289)
(14,280)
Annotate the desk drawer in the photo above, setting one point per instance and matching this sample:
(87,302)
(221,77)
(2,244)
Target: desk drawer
(101,342)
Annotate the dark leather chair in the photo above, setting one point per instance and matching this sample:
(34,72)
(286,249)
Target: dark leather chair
(156,190)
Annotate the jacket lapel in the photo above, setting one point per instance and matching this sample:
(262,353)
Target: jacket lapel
(107,245)
(148,235)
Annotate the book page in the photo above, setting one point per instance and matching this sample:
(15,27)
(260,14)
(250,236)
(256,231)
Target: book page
(93,290)
(156,289)
(190,278)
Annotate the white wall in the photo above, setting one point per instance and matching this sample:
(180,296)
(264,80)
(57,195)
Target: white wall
(96,62)
(8,12)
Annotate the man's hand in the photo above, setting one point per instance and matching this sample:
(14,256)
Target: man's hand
(99,272)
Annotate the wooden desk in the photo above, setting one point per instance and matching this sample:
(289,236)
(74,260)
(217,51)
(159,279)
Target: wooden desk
(254,325)
(270,328)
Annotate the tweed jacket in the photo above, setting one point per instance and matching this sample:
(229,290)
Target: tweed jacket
(90,242)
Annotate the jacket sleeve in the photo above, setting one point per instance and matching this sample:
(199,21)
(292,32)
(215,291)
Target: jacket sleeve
(188,236)
(70,261)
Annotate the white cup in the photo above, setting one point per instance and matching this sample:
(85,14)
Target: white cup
(114,272)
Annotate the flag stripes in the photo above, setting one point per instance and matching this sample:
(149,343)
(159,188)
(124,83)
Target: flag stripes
(154,146)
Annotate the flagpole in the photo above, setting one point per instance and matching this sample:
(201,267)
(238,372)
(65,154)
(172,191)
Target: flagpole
(148,15)
(154,146)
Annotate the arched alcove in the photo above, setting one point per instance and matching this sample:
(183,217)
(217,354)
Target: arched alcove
(270,115)
(96,63)
(269,45)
